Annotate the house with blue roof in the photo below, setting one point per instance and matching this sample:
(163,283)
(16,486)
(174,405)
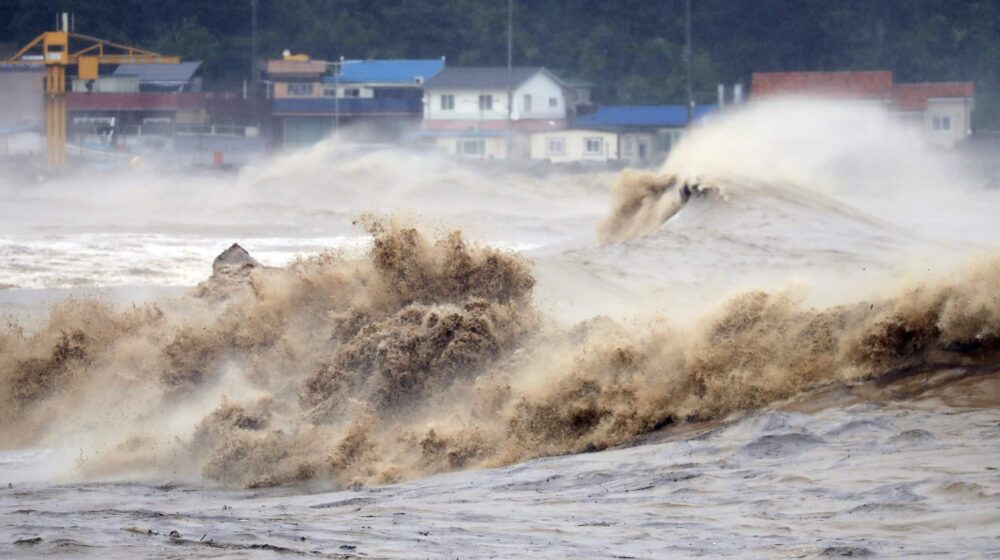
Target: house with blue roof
(640,135)
(374,101)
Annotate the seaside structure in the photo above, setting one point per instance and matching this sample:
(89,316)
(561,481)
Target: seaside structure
(22,120)
(637,135)
(466,110)
(379,100)
(941,110)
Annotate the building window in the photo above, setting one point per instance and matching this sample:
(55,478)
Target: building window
(300,89)
(485,102)
(627,147)
(941,123)
(329,92)
(594,146)
(553,102)
(527,103)
(555,146)
(447,102)
(472,147)
(353,92)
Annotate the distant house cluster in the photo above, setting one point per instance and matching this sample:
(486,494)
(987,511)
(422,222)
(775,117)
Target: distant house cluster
(469,112)
(943,110)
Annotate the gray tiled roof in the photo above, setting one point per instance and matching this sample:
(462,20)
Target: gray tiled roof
(159,72)
(481,77)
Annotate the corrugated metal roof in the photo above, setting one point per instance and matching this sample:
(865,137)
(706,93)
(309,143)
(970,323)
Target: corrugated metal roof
(481,77)
(388,71)
(652,116)
(858,85)
(159,73)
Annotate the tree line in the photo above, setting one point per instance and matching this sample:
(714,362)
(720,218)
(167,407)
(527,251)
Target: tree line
(631,50)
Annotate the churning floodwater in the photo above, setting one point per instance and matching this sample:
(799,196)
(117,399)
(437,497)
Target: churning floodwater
(782,343)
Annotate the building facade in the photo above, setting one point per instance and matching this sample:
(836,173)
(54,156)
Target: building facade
(575,145)
(488,112)
(942,111)
(641,135)
(379,101)
(22,120)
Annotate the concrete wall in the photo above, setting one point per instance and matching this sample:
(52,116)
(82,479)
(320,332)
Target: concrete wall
(22,100)
(947,121)
(544,146)
(541,88)
(492,148)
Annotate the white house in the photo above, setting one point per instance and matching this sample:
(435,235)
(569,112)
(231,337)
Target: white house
(466,109)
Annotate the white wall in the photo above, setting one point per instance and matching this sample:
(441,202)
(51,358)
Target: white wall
(574,146)
(466,105)
(493,148)
(541,88)
(957,111)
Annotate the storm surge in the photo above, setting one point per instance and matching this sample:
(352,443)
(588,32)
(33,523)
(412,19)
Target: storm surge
(428,355)
(422,351)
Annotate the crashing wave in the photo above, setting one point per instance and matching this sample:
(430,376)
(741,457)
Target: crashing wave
(429,355)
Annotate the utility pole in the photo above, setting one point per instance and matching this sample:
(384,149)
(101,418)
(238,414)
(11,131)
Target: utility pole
(254,77)
(510,73)
(336,93)
(687,62)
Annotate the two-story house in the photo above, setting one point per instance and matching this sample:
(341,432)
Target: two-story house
(378,101)
(466,110)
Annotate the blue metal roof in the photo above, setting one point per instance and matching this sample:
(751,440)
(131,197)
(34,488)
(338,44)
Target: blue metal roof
(404,72)
(641,116)
(348,106)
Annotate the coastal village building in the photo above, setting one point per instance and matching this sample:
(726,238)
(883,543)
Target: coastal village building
(466,109)
(638,135)
(140,109)
(379,100)
(22,119)
(575,145)
(942,110)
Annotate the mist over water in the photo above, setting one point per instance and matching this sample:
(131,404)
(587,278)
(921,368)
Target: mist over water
(412,315)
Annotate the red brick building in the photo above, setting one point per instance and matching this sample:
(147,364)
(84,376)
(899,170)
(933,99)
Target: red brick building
(942,109)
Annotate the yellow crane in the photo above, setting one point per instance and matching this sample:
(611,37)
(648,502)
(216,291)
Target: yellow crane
(52,49)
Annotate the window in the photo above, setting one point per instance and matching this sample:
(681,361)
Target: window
(941,123)
(527,103)
(300,89)
(555,146)
(329,92)
(553,102)
(485,102)
(447,102)
(627,147)
(594,146)
(353,92)
(471,147)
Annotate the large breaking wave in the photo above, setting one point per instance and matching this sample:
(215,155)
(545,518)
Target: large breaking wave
(429,353)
